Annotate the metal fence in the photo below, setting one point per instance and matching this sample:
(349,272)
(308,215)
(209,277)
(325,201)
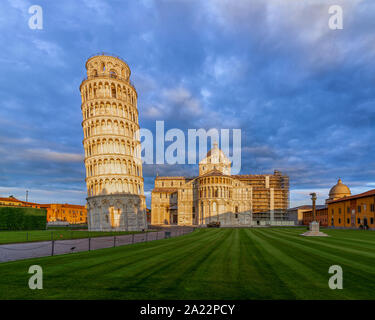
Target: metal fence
(18,251)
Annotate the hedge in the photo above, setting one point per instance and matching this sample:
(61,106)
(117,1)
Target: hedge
(22,218)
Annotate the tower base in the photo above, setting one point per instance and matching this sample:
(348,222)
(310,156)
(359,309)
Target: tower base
(117,212)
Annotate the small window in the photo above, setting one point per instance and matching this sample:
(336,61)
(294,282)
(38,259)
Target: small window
(236,216)
(359,220)
(348,221)
(372,221)
(339,220)
(359,208)
(339,210)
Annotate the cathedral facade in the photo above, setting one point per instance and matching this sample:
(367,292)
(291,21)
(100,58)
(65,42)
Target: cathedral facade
(217,196)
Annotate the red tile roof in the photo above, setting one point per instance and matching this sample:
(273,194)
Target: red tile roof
(305,207)
(12,199)
(318,208)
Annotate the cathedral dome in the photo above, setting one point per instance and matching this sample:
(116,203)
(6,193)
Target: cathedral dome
(216,155)
(338,191)
(215,160)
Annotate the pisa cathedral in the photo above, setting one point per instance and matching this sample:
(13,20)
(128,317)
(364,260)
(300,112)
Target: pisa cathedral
(217,196)
(111,142)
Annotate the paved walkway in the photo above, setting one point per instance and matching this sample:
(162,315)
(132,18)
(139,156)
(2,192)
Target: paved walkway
(27,250)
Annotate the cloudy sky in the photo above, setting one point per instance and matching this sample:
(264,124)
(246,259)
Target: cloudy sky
(302,94)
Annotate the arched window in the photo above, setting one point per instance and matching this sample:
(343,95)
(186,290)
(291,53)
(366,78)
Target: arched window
(113,89)
(112,74)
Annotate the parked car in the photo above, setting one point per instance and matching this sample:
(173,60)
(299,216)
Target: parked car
(214,224)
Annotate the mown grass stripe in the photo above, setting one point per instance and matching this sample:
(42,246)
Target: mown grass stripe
(320,248)
(265,280)
(354,277)
(288,266)
(257,263)
(349,242)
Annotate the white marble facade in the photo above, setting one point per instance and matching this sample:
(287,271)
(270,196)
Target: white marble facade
(111,142)
(122,212)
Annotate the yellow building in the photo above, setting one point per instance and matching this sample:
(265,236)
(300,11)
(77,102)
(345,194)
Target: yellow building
(355,211)
(217,196)
(344,210)
(299,212)
(74,214)
(321,216)
(13,202)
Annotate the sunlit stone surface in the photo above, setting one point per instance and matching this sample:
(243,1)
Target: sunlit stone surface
(113,163)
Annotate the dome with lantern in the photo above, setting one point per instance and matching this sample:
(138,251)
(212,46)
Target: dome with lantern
(215,160)
(339,191)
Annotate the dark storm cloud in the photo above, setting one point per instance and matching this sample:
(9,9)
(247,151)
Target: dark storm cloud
(302,94)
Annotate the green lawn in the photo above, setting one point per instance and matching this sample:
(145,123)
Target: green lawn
(43,235)
(258,263)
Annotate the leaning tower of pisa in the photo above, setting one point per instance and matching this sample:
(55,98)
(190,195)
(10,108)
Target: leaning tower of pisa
(115,196)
